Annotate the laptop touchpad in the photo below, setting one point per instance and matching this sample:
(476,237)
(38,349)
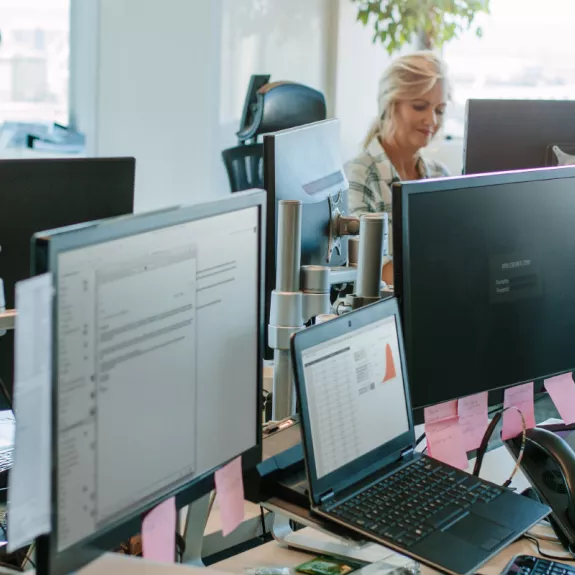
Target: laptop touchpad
(480,532)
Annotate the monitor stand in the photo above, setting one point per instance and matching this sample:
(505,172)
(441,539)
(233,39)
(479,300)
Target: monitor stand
(320,538)
(192,521)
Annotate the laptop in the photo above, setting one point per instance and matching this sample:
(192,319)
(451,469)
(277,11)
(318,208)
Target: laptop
(359,449)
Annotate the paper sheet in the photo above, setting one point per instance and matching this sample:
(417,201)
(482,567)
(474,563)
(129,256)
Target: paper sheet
(562,392)
(520,396)
(230,491)
(29,480)
(159,532)
(440,411)
(473,419)
(7,427)
(445,442)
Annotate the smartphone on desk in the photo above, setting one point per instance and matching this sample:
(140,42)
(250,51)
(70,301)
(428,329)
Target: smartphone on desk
(529,565)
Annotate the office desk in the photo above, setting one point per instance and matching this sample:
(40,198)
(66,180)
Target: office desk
(113,564)
(497,466)
(271,554)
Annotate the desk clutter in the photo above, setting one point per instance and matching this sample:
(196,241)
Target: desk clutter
(136,364)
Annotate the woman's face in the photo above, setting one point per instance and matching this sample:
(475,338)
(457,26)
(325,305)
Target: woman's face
(417,121)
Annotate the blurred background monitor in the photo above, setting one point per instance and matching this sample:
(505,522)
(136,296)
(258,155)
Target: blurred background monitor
(503,135)
(304,163)
(42,194)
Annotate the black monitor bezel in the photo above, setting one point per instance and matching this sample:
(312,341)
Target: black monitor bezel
(402,191)
(45,248)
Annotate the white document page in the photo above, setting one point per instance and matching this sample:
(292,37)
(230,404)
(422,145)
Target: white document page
(29,482)
(7,425)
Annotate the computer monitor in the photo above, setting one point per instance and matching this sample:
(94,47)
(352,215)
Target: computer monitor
(48,193)
(304,163)
(484,271)
(157,377)
(503,135)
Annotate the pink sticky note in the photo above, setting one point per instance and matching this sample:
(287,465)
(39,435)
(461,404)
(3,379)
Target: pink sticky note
(230,492)
(445,442)
(562,392)
(473,419)
(159,532)
(440,411)
(520,397)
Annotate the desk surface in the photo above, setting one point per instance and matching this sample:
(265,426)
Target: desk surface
(272,555)
(268,555)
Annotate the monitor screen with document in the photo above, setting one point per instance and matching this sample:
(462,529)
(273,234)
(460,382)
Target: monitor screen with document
(158,342)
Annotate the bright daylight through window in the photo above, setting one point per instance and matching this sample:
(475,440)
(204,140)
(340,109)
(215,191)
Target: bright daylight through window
(526,52)
(34,60)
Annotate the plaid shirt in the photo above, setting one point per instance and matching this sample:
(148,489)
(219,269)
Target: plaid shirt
(371,175)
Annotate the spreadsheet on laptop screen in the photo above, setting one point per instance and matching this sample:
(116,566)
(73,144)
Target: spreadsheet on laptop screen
(355,393)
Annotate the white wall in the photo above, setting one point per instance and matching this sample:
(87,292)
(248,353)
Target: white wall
(165,80)
(360,64)
(289,39)
(152,67)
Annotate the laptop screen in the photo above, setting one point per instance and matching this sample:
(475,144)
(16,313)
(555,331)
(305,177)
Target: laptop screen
(355,393)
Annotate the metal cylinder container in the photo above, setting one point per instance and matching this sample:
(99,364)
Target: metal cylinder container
(288,258)
(370,258)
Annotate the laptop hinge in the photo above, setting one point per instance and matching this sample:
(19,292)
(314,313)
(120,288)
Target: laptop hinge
(407,453)
(326,496)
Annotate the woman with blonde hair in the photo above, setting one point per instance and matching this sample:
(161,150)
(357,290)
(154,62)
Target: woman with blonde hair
(413,95)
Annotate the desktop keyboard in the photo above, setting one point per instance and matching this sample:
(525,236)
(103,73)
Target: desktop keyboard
(529,565)
(414,501)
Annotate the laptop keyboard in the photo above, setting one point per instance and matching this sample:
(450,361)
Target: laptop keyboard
(415,501)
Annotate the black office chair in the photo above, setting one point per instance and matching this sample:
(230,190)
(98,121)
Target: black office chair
(269,107)
(245,166)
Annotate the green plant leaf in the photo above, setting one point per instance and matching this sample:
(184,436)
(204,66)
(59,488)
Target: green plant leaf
(397,22)
(363,16)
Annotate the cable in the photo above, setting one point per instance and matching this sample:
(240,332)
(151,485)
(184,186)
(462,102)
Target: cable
(180,547)
(420,439)
(549,555)
(27,559)
(487,436)
(543,537)
(263,522)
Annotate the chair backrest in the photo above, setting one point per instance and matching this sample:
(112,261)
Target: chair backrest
(244,165)
(283,105)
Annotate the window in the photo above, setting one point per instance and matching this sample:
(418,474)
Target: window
(526,52)
(34,60)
